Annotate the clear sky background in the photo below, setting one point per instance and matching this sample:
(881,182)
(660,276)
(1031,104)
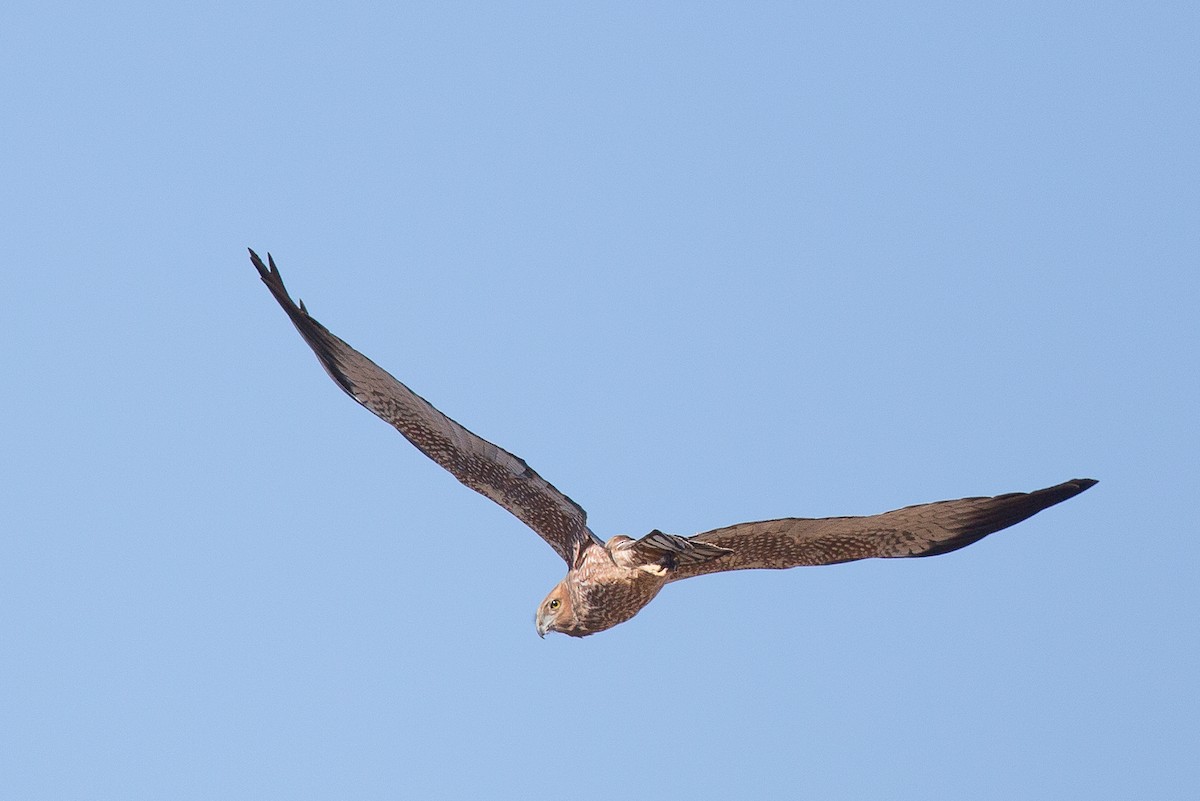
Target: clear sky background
(697,264)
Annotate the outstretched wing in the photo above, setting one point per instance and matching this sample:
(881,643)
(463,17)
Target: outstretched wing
(486,468)
(924,530)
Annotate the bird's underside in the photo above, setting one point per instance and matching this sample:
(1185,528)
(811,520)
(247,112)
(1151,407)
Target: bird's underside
(609,582)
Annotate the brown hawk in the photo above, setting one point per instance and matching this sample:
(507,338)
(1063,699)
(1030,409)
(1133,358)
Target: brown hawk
(609,582)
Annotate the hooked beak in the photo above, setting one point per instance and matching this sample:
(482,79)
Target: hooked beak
(543,625)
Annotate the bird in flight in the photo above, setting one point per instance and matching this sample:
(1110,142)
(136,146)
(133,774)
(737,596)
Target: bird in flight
(609,582)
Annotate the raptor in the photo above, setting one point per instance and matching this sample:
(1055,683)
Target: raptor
(609,582)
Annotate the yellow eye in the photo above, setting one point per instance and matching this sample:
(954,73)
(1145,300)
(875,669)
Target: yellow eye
(555,604)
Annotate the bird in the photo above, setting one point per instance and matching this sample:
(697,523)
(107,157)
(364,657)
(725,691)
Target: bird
(608,582)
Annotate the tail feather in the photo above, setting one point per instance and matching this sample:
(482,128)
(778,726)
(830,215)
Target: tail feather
(671,550)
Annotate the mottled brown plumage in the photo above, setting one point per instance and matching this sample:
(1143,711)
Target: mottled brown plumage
(609,582)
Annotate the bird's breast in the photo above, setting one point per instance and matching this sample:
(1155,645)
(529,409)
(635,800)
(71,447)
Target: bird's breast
(605,594)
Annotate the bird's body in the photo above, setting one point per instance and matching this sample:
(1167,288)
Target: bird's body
(609,582)
(607,586)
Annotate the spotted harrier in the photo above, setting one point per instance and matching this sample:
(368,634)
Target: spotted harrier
(609,582)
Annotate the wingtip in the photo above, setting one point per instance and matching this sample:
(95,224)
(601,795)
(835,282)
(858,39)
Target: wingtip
(1084,483)
(258,263)
(269,272)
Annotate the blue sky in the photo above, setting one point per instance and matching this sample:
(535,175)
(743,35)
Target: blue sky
(697,264)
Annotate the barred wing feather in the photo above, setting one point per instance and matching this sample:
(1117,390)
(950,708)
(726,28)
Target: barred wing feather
(484,467)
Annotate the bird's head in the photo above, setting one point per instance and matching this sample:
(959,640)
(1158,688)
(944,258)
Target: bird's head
(555,612)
